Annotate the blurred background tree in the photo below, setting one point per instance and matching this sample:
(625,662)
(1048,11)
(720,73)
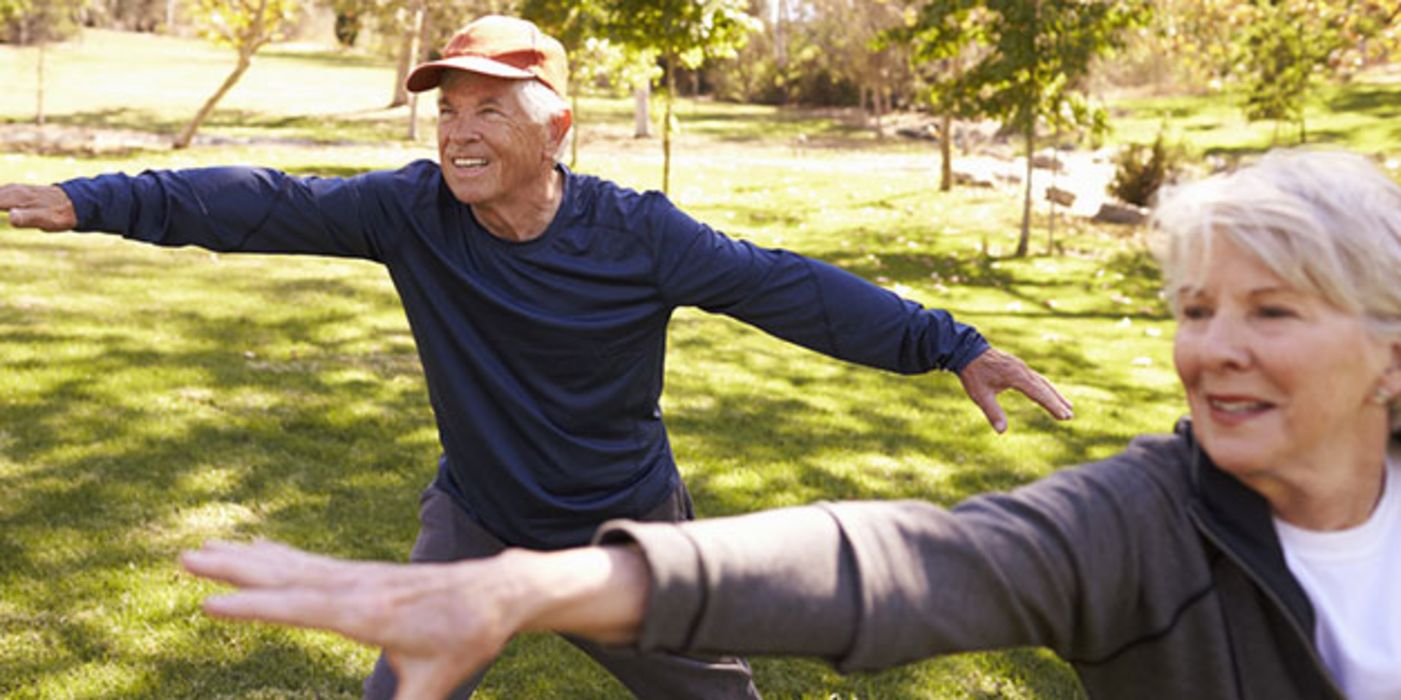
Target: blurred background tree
(246,26)
(684,34)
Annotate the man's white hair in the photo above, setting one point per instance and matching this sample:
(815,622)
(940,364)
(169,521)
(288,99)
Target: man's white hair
(542,105)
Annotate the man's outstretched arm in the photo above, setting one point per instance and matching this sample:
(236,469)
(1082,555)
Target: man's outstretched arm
(44,207)
(824,308)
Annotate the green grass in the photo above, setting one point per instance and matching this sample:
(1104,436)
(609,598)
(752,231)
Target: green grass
(150,399)
(1364,115)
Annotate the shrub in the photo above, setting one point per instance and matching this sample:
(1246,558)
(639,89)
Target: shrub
(1141,170)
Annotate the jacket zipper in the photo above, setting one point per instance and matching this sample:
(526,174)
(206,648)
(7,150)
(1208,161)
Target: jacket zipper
(1273,598)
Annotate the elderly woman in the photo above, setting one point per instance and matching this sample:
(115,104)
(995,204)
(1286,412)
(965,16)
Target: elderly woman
(1253,553)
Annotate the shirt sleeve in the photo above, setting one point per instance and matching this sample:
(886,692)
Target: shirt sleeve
(1087,562)
(804,301)
(230,209)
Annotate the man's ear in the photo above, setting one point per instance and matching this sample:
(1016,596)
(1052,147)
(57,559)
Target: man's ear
(559,126)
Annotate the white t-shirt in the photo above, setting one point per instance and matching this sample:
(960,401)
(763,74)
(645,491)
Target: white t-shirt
(1353,579)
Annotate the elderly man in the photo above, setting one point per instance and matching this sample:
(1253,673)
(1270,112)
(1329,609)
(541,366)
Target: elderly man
(539,300)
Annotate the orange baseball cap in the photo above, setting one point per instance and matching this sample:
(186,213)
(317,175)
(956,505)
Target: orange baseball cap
(505,47)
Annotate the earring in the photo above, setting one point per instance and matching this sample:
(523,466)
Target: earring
(1380,396)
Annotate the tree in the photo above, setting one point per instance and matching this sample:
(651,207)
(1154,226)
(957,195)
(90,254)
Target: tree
(37,23)
(1281,54)
(1289,45)
(851,32)
(683,33)
(942,49)
(1037,53)
(244,25)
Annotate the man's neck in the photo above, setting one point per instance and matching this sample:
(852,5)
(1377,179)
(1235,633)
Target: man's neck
(526,216)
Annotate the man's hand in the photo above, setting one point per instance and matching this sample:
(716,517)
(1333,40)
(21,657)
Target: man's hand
(44,207)
(438,623)
(995,371)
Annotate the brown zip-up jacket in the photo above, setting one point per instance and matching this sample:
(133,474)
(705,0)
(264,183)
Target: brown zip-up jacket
(1153,573)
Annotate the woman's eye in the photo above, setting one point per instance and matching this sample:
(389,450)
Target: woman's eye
(1276,312)
(1196,312)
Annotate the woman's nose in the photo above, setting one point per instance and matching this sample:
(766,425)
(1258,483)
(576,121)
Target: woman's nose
(1225,343)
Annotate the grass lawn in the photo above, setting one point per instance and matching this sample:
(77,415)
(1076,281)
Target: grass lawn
(150,399)
(1363,116)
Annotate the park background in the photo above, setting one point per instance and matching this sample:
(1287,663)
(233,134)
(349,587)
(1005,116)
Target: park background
(151,399)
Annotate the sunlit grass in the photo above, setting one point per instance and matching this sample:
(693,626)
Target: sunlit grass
(1363,115)
(150,399)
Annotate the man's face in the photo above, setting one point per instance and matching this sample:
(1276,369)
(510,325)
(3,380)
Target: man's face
(490,150)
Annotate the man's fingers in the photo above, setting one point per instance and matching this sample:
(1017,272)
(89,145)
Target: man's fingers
(1036,388)
(997,418)
(45,207)
(995,371)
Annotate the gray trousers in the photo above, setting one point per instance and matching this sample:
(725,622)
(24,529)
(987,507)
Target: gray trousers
(448,534)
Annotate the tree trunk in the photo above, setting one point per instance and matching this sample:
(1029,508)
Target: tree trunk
(245,59)
(879,98)
(946,152)
(641,120)
(1026,199)
(415,48)
(39,87)
(666,124)
(574,113)
(1051,225)
(780,42)
(170,17)
(400,95)
(409,49)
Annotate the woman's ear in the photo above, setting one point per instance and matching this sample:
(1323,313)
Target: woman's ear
(1391,377)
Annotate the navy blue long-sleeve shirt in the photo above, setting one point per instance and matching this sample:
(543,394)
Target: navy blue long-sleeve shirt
(544,358)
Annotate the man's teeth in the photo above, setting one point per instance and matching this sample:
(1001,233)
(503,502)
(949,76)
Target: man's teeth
(469,162)
(1238,405)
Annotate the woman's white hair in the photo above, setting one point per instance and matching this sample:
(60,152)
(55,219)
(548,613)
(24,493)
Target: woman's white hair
(1326,222)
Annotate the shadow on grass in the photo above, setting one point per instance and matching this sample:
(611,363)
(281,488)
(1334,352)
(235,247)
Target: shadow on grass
(309,129)
(141,447)
(1375,101)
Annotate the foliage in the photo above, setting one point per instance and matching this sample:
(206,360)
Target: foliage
(246,26)
(38,21)
(683,33)
(1035,56)
(593,61)
(243,25)
(259,396)
(1140,171)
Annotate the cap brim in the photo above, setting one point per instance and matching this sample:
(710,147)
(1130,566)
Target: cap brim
(428,75)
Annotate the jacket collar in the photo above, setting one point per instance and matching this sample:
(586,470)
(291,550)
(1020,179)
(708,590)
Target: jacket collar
(1239,520)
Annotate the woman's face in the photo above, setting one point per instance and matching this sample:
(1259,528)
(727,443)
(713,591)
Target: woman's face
(1280,382)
